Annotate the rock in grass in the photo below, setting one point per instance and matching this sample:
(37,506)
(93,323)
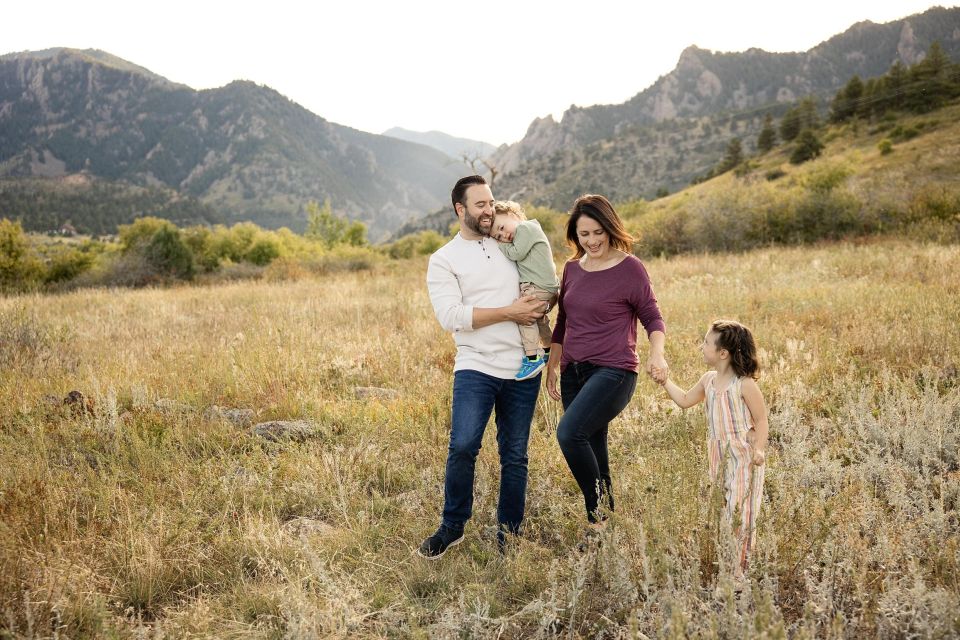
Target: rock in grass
(170,406)
(235,416)
(308,527)
(379,393)
(280,430)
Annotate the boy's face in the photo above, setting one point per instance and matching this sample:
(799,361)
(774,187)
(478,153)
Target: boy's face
(504,226)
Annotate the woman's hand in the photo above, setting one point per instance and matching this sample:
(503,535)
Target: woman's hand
(657,368)
(552,376)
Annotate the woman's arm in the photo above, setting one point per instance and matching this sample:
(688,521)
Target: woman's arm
(657,366)
(686,399)
(553,370)
(753,398)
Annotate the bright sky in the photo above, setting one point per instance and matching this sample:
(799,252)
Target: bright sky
(481,70)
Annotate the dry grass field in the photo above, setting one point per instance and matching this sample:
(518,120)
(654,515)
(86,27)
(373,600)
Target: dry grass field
(129,518)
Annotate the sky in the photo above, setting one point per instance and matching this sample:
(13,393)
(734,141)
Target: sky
(479,70)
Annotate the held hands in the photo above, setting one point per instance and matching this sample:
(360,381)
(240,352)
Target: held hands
(658,369)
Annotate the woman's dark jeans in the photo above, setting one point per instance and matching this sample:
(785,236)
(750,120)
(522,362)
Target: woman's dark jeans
(592,397)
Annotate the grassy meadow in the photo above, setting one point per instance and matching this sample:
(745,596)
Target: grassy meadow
(133,519)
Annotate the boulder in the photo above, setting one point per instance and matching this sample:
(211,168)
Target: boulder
(379,393)
(279,430)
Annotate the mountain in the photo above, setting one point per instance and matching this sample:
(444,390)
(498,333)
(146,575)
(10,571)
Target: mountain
(677,128)
(456,148)
(243,149)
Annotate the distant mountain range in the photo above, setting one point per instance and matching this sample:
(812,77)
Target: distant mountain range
(457,148)
(678,128)
(245,152)
(243,149)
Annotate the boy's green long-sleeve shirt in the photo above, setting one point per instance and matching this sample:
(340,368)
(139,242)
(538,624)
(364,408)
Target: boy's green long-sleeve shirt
(531,251)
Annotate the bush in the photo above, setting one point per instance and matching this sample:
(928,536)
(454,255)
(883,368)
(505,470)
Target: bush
(774,174)
(885,146)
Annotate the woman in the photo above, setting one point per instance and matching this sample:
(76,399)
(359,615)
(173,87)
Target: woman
(603,292)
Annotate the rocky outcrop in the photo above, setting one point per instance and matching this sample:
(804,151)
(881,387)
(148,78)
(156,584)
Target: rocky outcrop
(555,161)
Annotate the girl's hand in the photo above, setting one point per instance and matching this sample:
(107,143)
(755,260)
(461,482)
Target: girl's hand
(659,376)
(552,390)
(758,449)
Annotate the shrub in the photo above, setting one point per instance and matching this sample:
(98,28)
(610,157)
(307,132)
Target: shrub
(885,146)
(774,174)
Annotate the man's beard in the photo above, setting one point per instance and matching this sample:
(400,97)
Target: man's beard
(473,223)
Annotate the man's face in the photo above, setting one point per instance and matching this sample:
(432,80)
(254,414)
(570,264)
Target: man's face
(477,213)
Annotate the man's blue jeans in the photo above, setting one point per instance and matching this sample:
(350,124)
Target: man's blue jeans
(475,395)
(592,396)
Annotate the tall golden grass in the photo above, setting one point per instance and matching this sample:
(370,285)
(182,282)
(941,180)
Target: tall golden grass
(139,520)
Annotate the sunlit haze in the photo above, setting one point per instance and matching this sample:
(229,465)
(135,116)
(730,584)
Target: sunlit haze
(480,70)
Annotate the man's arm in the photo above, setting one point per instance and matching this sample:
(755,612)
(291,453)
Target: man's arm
(454,316)
(525,310)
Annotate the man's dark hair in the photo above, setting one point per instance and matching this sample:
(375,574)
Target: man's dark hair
(460,189)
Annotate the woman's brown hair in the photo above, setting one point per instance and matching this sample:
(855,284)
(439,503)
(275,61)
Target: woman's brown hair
(597,208)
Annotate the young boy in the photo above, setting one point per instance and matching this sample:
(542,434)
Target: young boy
(524,242)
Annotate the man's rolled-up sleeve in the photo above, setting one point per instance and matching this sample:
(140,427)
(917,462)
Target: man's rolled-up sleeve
(447,298)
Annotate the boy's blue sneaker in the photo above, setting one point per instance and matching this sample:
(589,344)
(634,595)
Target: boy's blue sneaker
(530,368)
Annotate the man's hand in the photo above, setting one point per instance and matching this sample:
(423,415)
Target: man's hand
(526,310)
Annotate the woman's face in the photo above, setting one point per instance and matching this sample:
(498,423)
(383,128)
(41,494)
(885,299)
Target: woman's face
(592,238)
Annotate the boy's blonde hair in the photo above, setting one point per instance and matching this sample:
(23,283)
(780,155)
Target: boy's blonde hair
(509,207)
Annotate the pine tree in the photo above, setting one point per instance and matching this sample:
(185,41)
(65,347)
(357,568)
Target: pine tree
(731,158)
(808,147)
(846,102)
(768,137)
(790,124)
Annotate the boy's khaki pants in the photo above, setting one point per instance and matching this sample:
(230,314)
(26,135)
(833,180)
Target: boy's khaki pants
(531,335)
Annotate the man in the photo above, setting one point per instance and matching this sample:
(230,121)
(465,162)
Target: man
(474,288)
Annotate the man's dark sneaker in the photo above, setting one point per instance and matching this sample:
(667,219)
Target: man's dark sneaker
(436,545)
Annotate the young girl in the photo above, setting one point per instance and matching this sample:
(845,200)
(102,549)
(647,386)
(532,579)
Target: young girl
(736,424)
(524,242)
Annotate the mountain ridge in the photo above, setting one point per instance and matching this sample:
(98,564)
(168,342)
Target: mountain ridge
(664,124)
(243,148)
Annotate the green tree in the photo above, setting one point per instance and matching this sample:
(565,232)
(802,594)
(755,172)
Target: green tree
(731,157)
(331,229)
(168,254)
(846,103)
(930,85)
(790,124)
(808,147)
(356,234)
(768,137)
(19,268)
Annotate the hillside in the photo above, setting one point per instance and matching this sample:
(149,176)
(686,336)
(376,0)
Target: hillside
(453,146)
(243,149)
(673,130)
(853,189)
